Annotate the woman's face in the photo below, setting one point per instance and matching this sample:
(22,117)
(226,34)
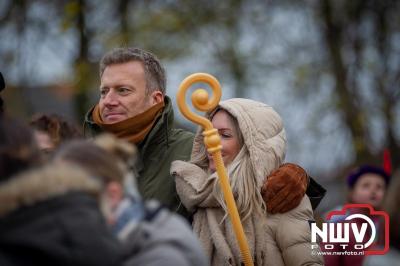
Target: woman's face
(44,141)
(229,138)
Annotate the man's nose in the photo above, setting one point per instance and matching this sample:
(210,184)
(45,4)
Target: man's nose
(110,99)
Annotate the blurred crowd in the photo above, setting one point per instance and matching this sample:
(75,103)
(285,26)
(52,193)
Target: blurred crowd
(130,189)
(71,201)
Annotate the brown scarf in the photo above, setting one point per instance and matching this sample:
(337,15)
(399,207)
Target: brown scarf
(133,129)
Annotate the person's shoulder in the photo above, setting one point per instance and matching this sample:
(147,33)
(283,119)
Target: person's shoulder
(182,133)
(159,223)
(303,211)
(162,220)
(164,236)
(181,138)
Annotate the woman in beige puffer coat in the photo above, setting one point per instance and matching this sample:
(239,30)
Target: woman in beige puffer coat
(253,145)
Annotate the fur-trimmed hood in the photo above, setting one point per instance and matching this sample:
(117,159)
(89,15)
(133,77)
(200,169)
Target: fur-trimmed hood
(262,130)
(43,183)
(50,216)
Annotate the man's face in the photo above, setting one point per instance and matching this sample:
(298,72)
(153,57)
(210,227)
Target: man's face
(123,92)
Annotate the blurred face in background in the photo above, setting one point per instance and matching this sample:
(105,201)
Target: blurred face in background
(370,188)
(123,92)
(44,141)
(18,148)
(230,138)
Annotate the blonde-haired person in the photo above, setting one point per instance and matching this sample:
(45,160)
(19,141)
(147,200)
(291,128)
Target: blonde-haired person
(253,146)
(150,234)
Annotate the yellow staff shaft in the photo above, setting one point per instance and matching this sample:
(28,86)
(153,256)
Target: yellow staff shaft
(232,209)
(213,143)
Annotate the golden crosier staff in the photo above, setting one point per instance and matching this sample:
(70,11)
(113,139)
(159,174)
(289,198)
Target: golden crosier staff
(213,143)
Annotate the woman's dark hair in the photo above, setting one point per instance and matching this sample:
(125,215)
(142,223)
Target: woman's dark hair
(18,148)
(58,128)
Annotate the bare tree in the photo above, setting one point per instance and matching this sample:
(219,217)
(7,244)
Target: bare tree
(364,61)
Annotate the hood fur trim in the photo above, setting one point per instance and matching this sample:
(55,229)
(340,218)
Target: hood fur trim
(41,184)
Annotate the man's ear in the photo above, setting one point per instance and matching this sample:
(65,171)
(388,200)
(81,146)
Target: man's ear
(157,97)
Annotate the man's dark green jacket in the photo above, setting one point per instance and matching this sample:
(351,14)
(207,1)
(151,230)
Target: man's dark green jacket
(163,145)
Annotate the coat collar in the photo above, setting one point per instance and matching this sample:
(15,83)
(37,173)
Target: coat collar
(157,135)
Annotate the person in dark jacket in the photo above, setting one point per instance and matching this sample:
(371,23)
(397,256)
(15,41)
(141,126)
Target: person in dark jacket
(133,106)
(49,214)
